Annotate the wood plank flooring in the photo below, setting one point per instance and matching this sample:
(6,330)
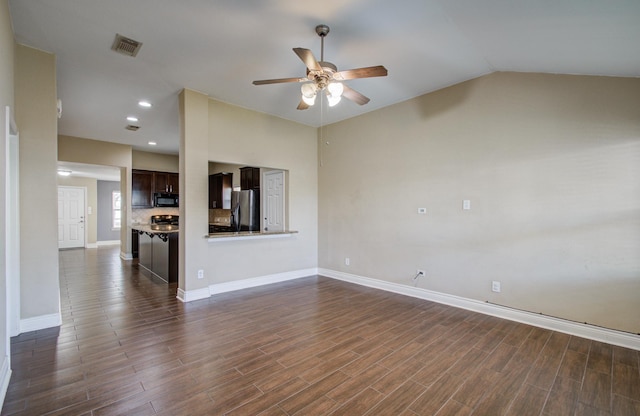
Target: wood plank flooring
(313,346)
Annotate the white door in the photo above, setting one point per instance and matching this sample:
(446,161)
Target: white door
(274,201)
(70,217)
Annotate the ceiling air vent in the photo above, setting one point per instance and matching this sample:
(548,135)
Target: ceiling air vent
(132,127)
(126,46)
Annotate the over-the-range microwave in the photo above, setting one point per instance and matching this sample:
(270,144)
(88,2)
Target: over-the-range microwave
(161,199)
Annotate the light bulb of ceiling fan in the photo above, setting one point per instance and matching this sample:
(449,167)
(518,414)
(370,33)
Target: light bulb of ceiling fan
(309,90)
(309,100)
(333,99)
(335,89)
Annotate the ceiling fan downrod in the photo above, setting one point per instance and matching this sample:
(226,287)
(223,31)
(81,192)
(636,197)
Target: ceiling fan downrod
(322,31)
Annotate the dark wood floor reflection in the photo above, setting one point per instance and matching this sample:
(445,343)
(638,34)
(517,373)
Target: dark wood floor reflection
(314,346)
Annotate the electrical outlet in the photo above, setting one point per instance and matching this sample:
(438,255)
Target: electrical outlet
(422,211)
(200,274)
(495,286)
(347,261)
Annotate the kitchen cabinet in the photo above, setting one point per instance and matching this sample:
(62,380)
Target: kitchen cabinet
(220,187)
(144,250)
(166,182)
(158,253)
(145,182)
(135,238)
(160,257)
(141,189)
(249,178)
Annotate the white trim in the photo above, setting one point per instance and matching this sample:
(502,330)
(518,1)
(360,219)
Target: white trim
(217,288)
(126,256)
(12,230)
(260,281)
(192,295)
(108,243)
(91,245)
(40,322)
(5,376)
(610,336)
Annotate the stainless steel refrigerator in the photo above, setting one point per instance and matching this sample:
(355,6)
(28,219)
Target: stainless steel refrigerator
(245,210)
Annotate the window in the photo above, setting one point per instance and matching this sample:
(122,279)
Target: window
(116,212)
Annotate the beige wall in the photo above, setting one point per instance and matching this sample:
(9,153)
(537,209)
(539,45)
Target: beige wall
(36,116)
(6,99)
(91,186)
(155,161)
(551,165)
(95,152)
(194,189)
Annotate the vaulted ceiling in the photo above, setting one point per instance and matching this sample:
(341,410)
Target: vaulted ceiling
(219,47)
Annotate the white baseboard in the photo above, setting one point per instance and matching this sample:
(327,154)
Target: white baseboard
(5,376)
(108,243)
(610,336)
(260,281)
(91,245)
(40,322)
(190,295)
(126,256)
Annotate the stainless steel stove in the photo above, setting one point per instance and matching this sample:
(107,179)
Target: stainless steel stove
(164,222)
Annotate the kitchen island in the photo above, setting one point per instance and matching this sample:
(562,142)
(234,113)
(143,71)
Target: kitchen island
(158,250)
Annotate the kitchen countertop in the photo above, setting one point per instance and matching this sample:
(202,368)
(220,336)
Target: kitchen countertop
(247,235)
(155,229)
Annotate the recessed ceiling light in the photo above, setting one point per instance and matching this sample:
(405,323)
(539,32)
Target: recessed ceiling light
(152,143)
(132,118)
(145,104)
(62,172)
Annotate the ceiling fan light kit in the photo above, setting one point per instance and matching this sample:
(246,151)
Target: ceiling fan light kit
(324,76)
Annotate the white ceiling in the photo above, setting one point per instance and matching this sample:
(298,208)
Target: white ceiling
(219,47)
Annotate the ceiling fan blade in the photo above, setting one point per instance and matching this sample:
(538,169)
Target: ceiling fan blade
(278,81)
(307,57)
(368,72)
(302,105)
(354,96)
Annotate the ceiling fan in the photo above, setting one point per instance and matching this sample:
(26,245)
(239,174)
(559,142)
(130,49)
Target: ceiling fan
(324,76)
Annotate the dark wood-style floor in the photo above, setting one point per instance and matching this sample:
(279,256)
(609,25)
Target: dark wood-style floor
(313,346)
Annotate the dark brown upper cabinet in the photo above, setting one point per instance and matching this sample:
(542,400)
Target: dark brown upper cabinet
(220,187)
(145,182)
(249,178)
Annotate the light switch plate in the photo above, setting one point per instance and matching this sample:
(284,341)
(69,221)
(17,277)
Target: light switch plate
(466,204)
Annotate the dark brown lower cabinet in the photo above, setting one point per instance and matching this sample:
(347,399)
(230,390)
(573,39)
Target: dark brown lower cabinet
(134,244)
(158,253)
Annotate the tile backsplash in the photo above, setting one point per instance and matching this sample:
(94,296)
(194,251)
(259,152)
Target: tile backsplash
(142,216)
(220,216)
